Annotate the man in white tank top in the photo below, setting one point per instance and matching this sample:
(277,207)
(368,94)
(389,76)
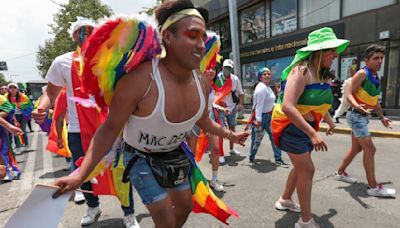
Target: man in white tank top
(170,93)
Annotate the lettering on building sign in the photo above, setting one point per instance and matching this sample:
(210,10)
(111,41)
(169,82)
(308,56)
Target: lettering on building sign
(278,47)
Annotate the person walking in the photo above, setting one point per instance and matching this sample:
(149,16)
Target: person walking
(305,99)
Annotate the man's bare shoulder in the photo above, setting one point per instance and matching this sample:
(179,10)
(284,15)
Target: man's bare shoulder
(360,74)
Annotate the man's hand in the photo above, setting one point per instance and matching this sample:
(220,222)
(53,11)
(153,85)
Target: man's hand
(60,143)
(256,123)
(318,143)
(67,184)
(227,111)
(239,137)
(386,122)
(15,130)
(39,115)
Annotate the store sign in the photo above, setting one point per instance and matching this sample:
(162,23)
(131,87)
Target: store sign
(278,47)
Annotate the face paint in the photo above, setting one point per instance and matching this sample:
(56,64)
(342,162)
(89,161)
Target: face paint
(195,35)
(84,32)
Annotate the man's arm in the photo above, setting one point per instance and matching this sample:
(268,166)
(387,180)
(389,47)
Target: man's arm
(385,121)
(239,90)
(46,101)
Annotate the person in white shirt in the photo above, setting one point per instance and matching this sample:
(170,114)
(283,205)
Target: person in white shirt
(263,103)
(233,105)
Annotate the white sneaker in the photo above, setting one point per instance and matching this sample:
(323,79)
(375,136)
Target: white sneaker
(221,160)
(79,197)
(287,205)
(345,177)
(380,191)
(130,221)
(216,185)
(310,224)
(234,152)
(91,215)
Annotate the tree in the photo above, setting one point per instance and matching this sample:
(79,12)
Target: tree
(3,80)
(62,41)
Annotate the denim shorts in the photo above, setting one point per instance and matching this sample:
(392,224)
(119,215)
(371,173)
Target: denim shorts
(230,119)
(358,124)
(295,141)
(144,181)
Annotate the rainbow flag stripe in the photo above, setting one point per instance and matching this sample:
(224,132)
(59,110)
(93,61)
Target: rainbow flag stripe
(369,91)
(204,200)
(316,99)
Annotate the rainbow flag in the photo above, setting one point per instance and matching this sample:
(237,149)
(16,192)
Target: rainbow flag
(204,199)
(46,125)
(369,91)
(20,140)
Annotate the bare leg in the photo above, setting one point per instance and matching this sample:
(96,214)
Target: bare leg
(350,155)
(162,213)
(214,148)
(192,140)
(290,185)
(304,169)
(182,201)
(369,159)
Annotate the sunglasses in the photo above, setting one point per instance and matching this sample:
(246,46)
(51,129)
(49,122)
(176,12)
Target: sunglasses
(329,50)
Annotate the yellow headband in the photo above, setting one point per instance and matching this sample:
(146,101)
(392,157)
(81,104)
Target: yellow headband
(179,15)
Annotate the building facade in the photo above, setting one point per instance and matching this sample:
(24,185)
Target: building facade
(270,31)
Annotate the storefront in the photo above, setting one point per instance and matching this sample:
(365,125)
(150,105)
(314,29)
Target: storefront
(270,31)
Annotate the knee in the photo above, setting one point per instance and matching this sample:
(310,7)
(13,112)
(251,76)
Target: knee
(306,171)
(184,208)
(214,149)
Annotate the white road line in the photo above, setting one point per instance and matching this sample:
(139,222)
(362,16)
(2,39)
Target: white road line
(47,163)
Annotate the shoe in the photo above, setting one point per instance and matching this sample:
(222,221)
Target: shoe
(251,161)
(7,178)
(79,197)
(216,185)
(380,191)
(91,215)
(309,224)
(234,152)
(221,160)
(130,221)
(287,205)
(68,167)
(345,177)
(281,163)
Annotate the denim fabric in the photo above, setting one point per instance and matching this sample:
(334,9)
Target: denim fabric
(358,124)
(295,141)
(230,119)
(144,181)
(257,134)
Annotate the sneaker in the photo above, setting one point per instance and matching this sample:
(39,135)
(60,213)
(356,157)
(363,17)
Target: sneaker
(234,152)
(287,205)
(380,191)
(251,161)
(221,160)
(130,221)
(79,197)
(281,163)
(345,177)
(68,167)
(7,178)
(91,215)
(310,224)
(216,185)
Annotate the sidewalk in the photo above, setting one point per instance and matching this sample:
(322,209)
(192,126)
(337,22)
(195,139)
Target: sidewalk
(375,126)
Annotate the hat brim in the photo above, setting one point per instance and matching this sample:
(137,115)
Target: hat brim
(340,44)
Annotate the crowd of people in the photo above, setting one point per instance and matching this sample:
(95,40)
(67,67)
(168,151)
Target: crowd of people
(174,103)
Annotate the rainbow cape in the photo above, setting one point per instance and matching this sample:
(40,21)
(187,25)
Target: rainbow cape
(117,47)
(211,55)
(24,104)
(204,199)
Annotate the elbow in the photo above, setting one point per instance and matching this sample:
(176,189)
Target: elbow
(286,108)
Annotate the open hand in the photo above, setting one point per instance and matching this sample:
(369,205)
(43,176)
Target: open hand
(318,143)
(239,137)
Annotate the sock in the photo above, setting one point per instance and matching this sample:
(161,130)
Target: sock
(214,175)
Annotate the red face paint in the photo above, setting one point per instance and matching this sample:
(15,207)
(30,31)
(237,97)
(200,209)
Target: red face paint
(195,35)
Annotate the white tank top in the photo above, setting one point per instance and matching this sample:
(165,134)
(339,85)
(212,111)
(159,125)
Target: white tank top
(154,133)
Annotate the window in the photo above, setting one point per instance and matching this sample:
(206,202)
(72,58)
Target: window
(313,12)
(356,6)
(252,25)
(225,34)
(283,16)
(277,66)
(348,67)
(249,78)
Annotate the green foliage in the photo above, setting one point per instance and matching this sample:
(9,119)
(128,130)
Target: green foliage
(62,41)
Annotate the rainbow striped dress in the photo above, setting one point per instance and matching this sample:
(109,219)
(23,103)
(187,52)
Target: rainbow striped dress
(369,91)
(316,99)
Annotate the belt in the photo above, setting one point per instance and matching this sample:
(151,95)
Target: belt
(358,111)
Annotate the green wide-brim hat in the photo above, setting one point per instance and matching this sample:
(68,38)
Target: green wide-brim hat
(320,39)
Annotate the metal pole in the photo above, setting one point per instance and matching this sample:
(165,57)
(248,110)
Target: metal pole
(234,36)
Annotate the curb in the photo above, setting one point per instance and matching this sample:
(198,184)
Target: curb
(343,130)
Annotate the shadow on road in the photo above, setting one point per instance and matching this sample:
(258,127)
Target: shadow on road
(290,218)
(357,191)
(234,160)
(55,174)
(263,166)
(114,222)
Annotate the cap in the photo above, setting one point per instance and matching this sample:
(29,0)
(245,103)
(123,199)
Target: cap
(228,62)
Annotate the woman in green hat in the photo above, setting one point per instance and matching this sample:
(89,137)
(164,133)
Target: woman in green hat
(304,100)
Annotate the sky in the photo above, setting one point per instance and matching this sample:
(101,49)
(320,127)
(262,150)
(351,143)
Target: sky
(24,26)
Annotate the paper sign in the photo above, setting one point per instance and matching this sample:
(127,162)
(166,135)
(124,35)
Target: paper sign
(39,210)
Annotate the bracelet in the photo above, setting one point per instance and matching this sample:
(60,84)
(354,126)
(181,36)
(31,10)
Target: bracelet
(381,117)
